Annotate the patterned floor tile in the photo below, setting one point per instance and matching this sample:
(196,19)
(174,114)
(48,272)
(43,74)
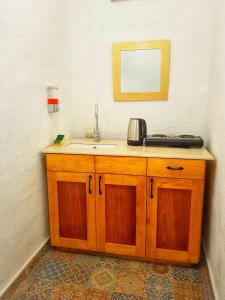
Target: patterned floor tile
(34,290)
(158,287)
(95,294)
(188,291)
(77,274)
(51,270)
(111,262)
(207,290)
(130,282)
(86,259)
(190,274)
(60,275)
(102,279)
(120,296)
(160,268)
(68,291)
(59,256)
(137,266)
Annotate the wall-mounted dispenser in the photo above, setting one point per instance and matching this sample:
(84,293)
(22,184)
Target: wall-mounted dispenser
(53,100)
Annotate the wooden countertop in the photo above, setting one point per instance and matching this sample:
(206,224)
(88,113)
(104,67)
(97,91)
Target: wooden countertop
(122,149)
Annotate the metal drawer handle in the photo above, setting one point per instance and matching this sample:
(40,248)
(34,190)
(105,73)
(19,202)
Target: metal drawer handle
(89,185)
(175,169)
(151,188)
(99,185)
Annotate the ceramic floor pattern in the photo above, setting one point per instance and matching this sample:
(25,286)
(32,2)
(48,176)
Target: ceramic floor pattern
(71,276)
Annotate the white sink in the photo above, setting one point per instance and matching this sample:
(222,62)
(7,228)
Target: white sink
(90,146)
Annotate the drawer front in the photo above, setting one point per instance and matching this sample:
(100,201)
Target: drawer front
(176,168)
(120,165)
(70,163)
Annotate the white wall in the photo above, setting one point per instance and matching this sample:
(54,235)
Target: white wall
(96,24)
(214,235)
(33,53)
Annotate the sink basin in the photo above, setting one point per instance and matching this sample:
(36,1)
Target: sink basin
(90,146)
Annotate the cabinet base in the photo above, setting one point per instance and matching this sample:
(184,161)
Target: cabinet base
(127,257)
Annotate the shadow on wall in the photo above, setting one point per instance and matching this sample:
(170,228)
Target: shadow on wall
(209,197)
(42,163)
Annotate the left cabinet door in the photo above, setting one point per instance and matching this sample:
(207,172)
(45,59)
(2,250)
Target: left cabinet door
(72,209)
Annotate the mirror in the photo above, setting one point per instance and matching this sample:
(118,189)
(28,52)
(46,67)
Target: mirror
(141,70)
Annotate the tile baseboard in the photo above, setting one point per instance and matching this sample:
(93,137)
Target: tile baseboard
(25,271)
(207,274)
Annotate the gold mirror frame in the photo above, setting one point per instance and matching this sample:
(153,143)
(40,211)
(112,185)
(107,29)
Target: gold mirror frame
(164,46)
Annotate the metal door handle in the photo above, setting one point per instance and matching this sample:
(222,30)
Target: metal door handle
(89,184)
(151,188)
(175,169)
(99,185)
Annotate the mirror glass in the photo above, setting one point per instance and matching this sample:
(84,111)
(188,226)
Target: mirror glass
(140,70)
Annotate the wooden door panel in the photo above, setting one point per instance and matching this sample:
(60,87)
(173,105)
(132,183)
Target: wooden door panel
(72,210)
(174,215)
(121,211)
(120,214)
(173,219)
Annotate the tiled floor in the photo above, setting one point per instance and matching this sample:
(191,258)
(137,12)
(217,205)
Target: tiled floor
(70,276)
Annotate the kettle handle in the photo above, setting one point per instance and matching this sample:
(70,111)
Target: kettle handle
(144,127)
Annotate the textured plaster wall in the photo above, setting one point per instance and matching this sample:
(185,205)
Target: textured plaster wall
(214,235)
(97,24)
(34,52)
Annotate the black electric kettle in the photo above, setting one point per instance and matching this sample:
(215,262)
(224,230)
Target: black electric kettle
(137,130)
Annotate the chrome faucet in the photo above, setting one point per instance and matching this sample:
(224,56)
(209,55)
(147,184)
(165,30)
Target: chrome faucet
(97,137)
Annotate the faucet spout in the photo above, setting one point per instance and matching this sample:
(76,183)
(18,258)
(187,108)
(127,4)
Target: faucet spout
(97,137)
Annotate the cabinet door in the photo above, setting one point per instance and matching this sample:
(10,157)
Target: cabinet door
(174,216)
(121,214)
(72,209)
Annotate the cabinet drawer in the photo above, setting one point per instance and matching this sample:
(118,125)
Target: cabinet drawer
(70,163)
(120,165)
(176,168)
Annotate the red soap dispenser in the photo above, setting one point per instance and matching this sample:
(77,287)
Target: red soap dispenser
(53,101)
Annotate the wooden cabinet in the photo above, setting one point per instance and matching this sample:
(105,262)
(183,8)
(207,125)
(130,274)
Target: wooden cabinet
(174,214)
(121,214)
(148,208)
(174,210)
(72,209)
